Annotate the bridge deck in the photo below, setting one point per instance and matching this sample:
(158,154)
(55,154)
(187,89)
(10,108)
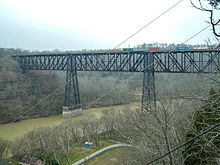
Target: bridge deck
(175,61)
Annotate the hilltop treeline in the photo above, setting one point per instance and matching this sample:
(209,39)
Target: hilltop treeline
(173,46)
(166,46)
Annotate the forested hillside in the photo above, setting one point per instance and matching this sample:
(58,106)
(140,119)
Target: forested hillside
(20,90)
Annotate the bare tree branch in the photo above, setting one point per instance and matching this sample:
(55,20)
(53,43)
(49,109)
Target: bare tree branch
(214,6)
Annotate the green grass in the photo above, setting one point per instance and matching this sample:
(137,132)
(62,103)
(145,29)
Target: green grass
(109,157)
(11,160)
(75,156)
(15,130)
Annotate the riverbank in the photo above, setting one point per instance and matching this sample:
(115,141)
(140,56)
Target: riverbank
(13,131)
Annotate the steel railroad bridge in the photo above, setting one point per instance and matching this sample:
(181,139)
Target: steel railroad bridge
(148,62)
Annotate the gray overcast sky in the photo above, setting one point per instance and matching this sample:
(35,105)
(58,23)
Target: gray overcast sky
(96,24)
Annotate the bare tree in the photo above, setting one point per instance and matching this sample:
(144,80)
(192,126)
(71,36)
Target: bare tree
(156,132)
(4,146)
(209,6)
(108,121)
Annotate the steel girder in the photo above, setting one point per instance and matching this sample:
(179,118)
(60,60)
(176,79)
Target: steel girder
(72,97)
(187,61)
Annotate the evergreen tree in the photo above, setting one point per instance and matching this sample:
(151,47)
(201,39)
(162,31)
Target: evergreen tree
(205,149)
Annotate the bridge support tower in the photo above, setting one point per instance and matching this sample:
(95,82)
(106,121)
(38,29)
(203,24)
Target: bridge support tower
(72,106)
(148,93)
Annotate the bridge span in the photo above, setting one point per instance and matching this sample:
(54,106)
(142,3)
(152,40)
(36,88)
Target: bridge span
(148,62)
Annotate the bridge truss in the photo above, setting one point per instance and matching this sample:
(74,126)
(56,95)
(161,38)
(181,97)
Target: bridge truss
(176,61)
